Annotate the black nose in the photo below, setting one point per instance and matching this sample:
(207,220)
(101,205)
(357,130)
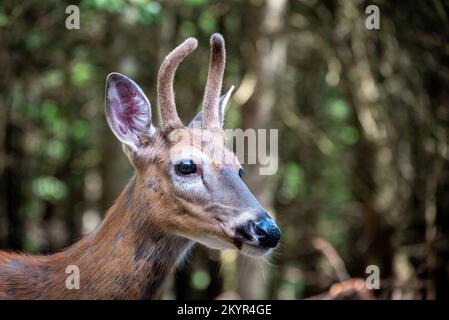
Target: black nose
(268,233)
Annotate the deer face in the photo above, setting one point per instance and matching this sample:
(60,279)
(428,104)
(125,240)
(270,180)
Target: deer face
(189,167)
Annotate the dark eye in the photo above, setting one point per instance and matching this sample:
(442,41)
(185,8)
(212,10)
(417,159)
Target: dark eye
(241,172)
(185,167)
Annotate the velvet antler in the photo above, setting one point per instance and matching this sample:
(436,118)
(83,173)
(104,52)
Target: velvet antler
(166,97)
(214,82)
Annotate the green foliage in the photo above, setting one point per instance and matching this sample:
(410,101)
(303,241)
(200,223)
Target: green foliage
(35,41)
(208,22)
(149,12)
(293,181)
(49,188)
(115,6)
(81,74)
(232,22)
(200,279)
(30,246)
(337,109)
(195,2)
(79,130)
(53,119)
(349,135)
(3,19)
(52,78)
(56,151)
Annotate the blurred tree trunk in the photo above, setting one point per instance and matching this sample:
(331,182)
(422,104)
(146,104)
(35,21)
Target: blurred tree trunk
(73,180)
(215,287)
(11,148)
(12,183)
(438,231)
(182,288)
(419,205)
(371,170)
(265,60)
(441,278)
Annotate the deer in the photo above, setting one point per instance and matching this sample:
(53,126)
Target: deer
(181,193)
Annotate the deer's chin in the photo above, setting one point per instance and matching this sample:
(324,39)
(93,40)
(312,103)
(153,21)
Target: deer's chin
(246,248)
(215,243)
(254,251)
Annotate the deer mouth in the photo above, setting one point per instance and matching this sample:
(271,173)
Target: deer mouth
(250,247)
(252,250)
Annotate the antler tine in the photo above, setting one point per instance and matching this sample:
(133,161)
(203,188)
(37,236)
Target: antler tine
(214,81)
(166,97)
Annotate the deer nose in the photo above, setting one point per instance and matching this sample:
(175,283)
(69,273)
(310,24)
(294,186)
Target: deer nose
(268,233)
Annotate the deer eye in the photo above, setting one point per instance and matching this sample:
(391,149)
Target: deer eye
(185,167)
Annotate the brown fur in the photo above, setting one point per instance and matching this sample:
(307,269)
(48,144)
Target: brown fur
(120,260)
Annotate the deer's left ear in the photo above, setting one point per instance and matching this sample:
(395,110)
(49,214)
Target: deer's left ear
(224,99)
(128,110)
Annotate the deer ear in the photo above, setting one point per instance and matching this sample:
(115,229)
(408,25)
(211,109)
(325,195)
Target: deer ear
(224,99)
(128,110)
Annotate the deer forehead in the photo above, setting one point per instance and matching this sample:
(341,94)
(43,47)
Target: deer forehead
(202,146)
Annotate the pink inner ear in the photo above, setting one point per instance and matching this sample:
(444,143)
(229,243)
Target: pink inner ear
(128,109)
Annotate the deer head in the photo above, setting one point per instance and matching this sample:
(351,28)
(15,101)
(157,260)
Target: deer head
(186,172)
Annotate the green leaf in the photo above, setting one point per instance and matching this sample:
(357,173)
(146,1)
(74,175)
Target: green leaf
(52,78)
(81,74)
(3,20)
(56,150)
(349,135)
(49,188)
(207,22)
(337,109)
(35,41)
(107,5)
(149,13)
(194,3)
(294,181)
(49,110)
(138,2)
(200,280)
(79,129)
(30,246)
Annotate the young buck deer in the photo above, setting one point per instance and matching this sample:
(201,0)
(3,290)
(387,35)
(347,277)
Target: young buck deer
(181,193)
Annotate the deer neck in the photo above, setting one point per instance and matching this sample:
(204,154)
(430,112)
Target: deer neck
(132,257)
(125,257)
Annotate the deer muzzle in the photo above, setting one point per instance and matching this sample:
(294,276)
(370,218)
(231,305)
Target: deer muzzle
(264,232)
